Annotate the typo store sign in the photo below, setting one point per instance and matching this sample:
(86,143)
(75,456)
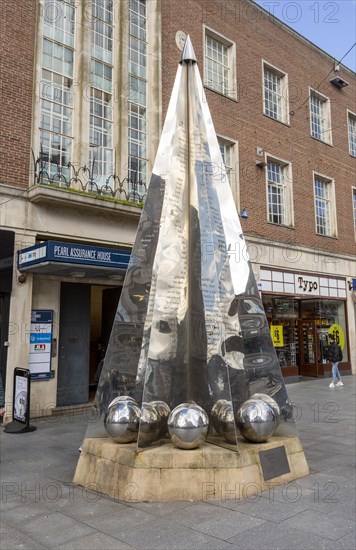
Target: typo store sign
(304,284)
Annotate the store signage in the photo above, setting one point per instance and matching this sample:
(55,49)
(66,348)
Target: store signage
(41,331)
(277,335)
(53,251)
(306,284)
(302,284)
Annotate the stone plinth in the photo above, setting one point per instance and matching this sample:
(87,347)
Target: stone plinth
(165,473)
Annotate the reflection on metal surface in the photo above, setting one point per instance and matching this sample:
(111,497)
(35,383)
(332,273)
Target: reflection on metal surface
(190,325)
(122,399)
(225,422)
(256,420)
(150,425)
(164,412)
(121,422)
(273,404)
(188,426)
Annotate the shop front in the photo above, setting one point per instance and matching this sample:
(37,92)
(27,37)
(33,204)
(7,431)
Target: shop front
(75,293)
(302,309)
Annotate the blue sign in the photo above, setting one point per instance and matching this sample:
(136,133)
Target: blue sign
(54,251)
(40,358)
(42,316)
(40,338)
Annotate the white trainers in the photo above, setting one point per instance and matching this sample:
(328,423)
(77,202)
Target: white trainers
(340,383)
(332,385)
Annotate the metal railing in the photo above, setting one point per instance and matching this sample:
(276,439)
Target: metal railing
(86,179)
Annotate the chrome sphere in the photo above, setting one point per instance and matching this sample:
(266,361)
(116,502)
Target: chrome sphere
(272,402)
(188,426)
(256,420)
(150,425)
(226,422)
(164,412)
(215,412)
(122,421)
(122,399)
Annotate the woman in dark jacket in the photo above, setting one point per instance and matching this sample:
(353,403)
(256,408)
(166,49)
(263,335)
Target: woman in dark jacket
(334,357)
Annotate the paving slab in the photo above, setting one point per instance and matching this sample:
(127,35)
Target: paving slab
(42,509)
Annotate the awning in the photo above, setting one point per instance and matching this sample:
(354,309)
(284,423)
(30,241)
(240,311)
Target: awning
(73,260)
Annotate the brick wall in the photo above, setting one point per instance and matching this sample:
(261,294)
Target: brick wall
(17,42)
(257,37)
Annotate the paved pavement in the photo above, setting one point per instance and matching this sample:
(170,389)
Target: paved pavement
(42,509)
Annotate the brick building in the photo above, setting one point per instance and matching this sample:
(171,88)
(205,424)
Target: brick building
(88,84)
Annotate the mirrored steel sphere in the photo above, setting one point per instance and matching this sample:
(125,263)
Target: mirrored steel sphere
(164,412)
(122,421)
(268,399)
(226,422)
(215,412)
(256,420)
(188,425)
(150,425)
(122,399)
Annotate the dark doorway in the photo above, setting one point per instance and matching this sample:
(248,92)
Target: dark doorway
(74,340)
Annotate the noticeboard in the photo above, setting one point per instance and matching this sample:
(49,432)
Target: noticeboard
(41,333)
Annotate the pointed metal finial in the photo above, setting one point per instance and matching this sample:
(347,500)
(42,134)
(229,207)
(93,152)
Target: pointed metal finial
(188,53)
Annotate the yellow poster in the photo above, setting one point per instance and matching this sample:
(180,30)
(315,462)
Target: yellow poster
(338,334)
(277,335)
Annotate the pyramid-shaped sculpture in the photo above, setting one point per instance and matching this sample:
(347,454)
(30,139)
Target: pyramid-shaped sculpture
(190,325)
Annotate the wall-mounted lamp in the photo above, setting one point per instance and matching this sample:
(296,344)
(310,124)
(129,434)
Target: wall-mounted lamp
(244,214)
(22,278)
(260,164)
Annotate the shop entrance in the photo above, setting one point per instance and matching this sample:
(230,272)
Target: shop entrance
(87,314)
(308,348)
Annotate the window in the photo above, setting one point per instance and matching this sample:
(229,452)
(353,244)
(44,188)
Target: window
(220,64)
(324,206)
(275,93)
(320,117)
(352,133)
(354,207)
(59,21)
(229,153)
(101,152)
(93,108)
(56,90)
(137,106)
(226,153)
(279,192)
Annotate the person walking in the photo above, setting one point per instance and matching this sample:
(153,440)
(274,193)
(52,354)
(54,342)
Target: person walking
(335,356)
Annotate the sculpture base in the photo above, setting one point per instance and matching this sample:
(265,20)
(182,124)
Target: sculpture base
(165,473)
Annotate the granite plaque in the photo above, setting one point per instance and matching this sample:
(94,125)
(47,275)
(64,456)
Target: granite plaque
(274,463)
